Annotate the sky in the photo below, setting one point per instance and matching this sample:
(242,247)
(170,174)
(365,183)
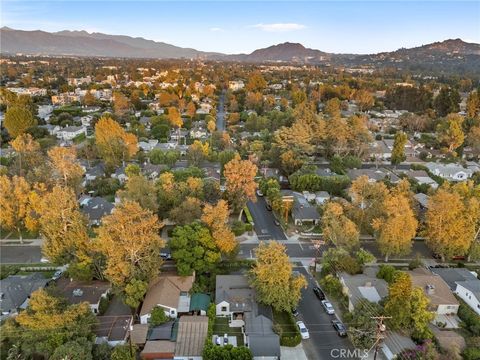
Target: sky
(241,27)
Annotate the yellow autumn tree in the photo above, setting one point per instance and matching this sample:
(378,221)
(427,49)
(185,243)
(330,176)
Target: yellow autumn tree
(62,225)
(397,227)
(197,152)
(339,229)
(27,152)
(121,104)
(15,204)
(129,238)
(450,222)
(113,142)
(216,218)
(240,181)
(66,169)
(273,279)
(174,117)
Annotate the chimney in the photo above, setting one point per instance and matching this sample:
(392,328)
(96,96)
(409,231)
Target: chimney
(430,289)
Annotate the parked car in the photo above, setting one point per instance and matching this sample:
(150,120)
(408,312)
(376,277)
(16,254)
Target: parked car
(276,222)
(295,312)
(218,340)
(328,307)
(339,327)
(225,339)
(268,207)
(303,330)
(259,193)
(166,256)
(319,293)
(57,275)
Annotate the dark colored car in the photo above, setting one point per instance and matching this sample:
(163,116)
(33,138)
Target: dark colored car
(319,293)
(339,327)
(295,312)
(269,207)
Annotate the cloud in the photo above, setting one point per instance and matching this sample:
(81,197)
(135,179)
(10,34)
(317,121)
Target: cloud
(279,27)
(216,29)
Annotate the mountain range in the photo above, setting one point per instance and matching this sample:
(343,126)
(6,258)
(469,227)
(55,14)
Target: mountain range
(81,43)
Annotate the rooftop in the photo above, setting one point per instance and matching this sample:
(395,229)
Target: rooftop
(192,332)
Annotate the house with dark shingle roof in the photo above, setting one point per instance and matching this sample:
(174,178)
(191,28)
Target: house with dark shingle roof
(15,291)
(113,330)
(95,208)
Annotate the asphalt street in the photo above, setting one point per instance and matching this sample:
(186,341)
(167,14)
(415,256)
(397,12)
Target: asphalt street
(12,254)
(324,342)
(264,221)
(221,112)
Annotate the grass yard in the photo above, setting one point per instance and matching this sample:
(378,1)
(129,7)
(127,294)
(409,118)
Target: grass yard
(283,320)
(221,327)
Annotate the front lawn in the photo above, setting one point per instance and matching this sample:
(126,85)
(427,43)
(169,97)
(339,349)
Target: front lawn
(221,327)
(284,325)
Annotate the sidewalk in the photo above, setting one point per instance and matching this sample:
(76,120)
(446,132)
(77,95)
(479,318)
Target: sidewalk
(293,353)
(16,242)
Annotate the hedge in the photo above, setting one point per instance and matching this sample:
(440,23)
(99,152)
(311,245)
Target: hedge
(248,215)
(285,323)
(470,318)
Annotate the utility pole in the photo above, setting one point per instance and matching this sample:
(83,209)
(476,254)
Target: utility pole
(379,332)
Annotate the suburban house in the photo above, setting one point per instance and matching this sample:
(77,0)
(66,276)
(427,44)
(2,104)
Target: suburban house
(236,85)
(152,171)
(464,283)
(113,330)
(452,172)
(70,132)
(394,344)
(302,211)
(235,299)
(373,175)
(93,172)
(321,197)
(120,174)
(380,150)
(363,286)
(148,145)
(95,208)
(15,291)
(198,130)
(442,301)
(159,341)
(170,292)
(421,177)
(272,173)
(76,292)
(422,200)
(191,335)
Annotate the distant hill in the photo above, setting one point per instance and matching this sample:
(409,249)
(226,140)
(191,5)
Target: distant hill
(452,55)
(286,52)
(81,43)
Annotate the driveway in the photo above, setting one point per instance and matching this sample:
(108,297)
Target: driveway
(264,221)
(324,343)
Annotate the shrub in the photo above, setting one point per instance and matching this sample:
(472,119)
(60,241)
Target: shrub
(415,263)
(470,318)
(387,273)
(471,354)
(158,316)
(290,341)
(331,285)
(238,227)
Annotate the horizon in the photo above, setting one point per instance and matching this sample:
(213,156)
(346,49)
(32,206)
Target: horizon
(268,46)
(231,27)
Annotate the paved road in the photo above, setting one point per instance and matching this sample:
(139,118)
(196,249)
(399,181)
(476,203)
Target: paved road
(264,221)
(221,112)
(323,338)
(20,254)
(305,249)
(324,165)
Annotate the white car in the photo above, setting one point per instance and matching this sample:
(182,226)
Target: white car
(303,330)
(328,307)
(259,193)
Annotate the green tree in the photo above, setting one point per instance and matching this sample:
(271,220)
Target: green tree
(450,132)
(447,101)
(18,120)
(398,152)
(123,352)
(273,279)
(78,349)
(158,316)
(138,188)
(135,290)
(361,325)
(194,249)
(398,304)
(48,323)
